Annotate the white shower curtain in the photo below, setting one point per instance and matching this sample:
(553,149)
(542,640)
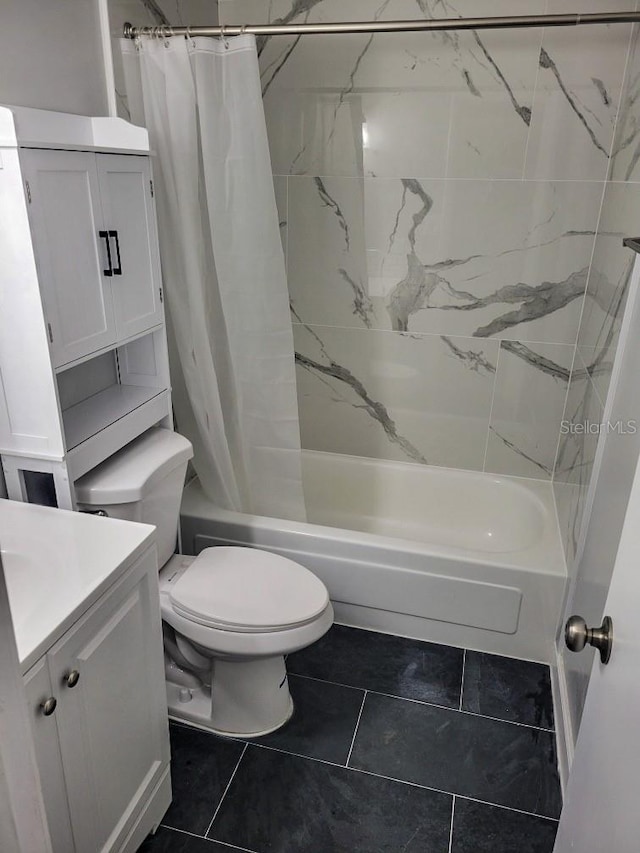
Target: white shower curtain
(231,341)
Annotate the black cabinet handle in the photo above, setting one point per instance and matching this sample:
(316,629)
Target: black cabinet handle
(105,236)
(118,269)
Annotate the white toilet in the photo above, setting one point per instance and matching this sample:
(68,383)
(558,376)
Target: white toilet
(230,615)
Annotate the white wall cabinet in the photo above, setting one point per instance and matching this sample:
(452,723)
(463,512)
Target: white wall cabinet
(83,352)
(103,752)
(66,218)
(126,193)
(95,243)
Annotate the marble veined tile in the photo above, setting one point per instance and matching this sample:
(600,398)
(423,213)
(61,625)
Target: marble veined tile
(406,397)
(576,453)
(625,156)
(502,259)
(521,250)
(528,403)
(577,96)
(609,281)
(448,103)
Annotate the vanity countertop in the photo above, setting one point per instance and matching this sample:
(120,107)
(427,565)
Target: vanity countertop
(57,564)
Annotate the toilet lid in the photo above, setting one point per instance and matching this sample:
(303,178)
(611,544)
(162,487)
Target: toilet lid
(248,590)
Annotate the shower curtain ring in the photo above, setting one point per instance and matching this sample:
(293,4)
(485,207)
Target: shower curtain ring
(224,38)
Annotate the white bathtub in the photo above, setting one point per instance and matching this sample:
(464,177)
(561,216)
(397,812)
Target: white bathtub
(454,557)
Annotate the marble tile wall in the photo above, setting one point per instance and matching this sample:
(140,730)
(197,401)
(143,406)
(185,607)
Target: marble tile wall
(439,199)
(604,304)
(595,353)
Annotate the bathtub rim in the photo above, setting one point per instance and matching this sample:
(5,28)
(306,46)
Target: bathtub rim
(540,559)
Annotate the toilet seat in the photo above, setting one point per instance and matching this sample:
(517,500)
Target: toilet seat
(247,591)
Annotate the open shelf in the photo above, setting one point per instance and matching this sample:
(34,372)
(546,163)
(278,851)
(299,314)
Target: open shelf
(94,414)
(145,407)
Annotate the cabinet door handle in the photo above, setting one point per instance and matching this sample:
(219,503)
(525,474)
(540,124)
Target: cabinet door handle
(72,678)
(118,269)
(48,706)
(105,236)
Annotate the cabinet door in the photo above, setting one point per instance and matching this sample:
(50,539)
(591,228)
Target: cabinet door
(73,270)
(113,723)
(38,689)
(127,206)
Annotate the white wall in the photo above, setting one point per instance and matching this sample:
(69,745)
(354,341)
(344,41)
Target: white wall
(51,56)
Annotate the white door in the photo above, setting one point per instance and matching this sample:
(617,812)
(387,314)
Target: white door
(601,804)
(72,257)
(127,206)
(112,723)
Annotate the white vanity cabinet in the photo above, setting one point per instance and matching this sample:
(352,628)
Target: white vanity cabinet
(100,722)
(96,248)
(83,352)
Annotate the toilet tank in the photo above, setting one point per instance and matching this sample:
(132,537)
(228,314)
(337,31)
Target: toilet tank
(142,482)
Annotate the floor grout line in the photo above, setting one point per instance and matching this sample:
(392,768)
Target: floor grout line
(353,769)
(204,838)
(429,704)
(464,660)
(355,731)
(235,770)
(453,811)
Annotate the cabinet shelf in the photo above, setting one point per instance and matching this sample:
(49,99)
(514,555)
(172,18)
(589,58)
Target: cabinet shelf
(94,414)
(105,422)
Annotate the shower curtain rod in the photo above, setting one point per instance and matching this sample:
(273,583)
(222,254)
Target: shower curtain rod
(506,22)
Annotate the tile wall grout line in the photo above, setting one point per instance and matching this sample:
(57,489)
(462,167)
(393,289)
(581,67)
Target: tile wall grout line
(439,179)
(355,731)
(204,838)
(453,811)
(235,770)
(509,722)
(403,782)
(421,334)
(430,704)
(464,661)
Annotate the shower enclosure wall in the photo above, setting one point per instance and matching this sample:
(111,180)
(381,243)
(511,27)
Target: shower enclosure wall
(452,207)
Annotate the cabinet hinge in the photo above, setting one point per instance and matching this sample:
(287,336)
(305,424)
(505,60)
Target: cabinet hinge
(50,332)
(151,187)
(28,191)
(161,297)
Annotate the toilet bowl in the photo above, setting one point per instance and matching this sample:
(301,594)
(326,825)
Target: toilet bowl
(230,615)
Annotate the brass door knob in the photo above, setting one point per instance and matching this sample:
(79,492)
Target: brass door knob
(577,635)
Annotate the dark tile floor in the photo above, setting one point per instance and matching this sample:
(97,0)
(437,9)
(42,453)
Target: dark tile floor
(395,745)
